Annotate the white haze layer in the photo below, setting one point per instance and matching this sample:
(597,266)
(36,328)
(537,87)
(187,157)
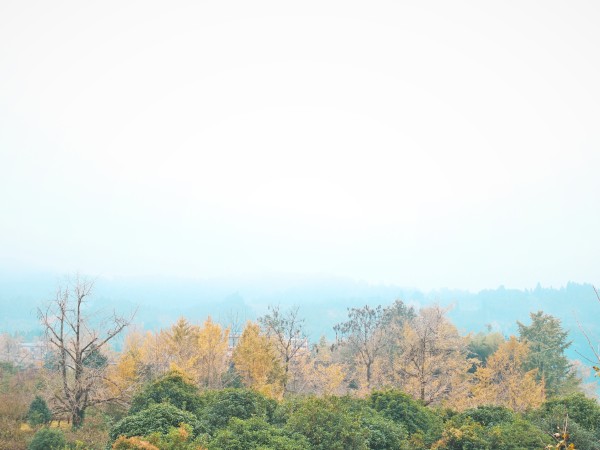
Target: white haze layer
(424,144)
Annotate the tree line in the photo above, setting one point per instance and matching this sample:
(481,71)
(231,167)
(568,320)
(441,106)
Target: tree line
(393,350)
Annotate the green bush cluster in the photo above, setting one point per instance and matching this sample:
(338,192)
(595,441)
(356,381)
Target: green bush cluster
(235,418)
(157,418)
(173,414)
(48,439)
(580,414)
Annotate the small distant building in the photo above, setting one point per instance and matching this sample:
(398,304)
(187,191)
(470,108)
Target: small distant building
(34,353)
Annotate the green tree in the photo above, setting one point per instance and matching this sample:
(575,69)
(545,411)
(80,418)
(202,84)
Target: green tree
(585,411)
(328,425)
(180,438)
(483,345)
(158,418)
(48,439)
(411,414)
(547,343)
(96,360)
(221,406)
(173,388)
(492,428)
(382,433)
(38,413)
(489,415)
(582,416)
(521,434)
(255,433)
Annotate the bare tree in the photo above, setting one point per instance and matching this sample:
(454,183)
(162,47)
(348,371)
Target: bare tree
(287,330)
(370,334)
(78,339)
(10,349)
(364,336)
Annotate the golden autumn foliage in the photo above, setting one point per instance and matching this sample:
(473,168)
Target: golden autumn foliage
(504,381)
(199,353)
(330,378)
(256,361)
(211,360)
(130,369)
(323,373)
(181,343)
(426,357)
(433,364)
(132,443)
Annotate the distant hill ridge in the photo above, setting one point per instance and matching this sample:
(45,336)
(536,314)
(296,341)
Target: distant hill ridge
(323,302)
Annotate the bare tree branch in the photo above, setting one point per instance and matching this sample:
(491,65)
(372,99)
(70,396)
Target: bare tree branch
(81,366)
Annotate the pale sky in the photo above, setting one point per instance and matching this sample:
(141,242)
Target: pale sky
(424,144)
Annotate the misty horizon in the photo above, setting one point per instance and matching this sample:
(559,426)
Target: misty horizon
(399,144)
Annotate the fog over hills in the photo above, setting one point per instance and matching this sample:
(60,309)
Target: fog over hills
(322,301)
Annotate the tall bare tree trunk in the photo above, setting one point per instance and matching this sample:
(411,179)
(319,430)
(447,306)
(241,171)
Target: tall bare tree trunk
(78,344)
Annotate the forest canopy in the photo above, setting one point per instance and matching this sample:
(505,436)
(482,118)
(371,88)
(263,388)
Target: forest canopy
(394,377)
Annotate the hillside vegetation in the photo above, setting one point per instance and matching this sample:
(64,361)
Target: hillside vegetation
(393,377)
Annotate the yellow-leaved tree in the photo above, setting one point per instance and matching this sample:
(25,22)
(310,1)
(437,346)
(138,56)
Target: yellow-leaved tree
(211,354)
(433,364)
(503,381)
(325,373)
(181,344)
(257,362)
(131,369)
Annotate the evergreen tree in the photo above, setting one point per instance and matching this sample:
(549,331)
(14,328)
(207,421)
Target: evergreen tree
(38,413)
(547,342)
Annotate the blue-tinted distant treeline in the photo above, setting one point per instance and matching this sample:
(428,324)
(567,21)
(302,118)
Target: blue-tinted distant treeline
(323,302)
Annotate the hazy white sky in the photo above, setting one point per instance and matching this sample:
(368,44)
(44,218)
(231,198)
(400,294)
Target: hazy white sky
(427,144)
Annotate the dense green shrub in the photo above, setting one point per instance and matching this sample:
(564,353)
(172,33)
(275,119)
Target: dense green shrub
(170,414)
(39,413)
(402,409)
(552,417)
(383,433)
(380,432)
(490,427)
(48,439)
(518,435)
(221,406)
(581,414)
(256,434)
(173,389)
(176,439)
(585,411)
(328,425)
(157,418)
(488,415)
